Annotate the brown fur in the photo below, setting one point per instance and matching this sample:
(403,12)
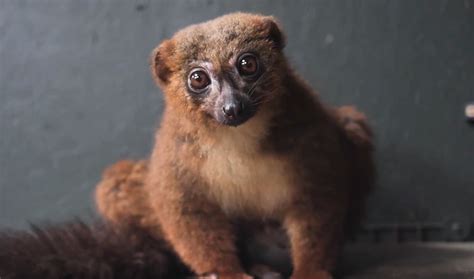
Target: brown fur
(122,200)
(295,161)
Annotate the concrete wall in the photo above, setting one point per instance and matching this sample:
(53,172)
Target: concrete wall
(76,94)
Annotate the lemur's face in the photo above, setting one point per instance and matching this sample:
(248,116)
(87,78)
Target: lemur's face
(223,70)
(232,95)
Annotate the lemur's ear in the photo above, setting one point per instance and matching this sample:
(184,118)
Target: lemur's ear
(274,32)
(160,58)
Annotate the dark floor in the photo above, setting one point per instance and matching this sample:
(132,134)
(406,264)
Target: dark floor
(409,261)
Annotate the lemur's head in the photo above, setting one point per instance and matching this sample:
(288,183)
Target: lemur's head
(223,70)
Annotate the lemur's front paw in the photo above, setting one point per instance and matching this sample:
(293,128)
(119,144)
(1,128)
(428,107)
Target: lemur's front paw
(264,272)
(205,276)
(235,276)
(312,275)
(224,276)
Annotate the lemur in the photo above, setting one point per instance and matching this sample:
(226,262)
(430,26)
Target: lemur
(243,140)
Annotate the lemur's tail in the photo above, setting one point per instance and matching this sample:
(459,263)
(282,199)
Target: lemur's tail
(78,250)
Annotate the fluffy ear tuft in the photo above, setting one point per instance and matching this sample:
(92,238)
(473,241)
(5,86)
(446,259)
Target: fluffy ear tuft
(274,32)
(160,58)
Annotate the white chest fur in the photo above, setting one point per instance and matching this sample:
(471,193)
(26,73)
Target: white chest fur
(243,180)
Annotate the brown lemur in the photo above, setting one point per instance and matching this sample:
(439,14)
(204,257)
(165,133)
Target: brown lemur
(243,139)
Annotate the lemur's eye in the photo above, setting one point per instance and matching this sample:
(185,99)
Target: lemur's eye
(247,64)
(198,80)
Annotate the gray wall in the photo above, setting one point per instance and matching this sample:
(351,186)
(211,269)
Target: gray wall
(76,94)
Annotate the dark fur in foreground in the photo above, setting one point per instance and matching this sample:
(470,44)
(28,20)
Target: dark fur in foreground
(77,250)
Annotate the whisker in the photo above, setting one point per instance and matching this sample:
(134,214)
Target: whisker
(254,86)
(261,100)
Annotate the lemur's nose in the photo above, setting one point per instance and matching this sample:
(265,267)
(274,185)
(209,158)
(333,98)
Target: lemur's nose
(233,109)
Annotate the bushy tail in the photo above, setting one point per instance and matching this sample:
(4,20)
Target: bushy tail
(78,250)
